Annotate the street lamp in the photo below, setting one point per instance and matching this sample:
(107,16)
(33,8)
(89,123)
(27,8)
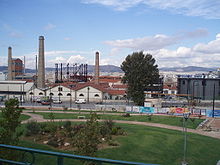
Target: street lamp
(185,118)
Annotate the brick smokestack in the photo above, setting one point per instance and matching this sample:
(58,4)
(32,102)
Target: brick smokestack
(97,68)
(41,64)
(10,77)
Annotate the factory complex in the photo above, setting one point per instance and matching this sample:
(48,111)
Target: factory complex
(71,82)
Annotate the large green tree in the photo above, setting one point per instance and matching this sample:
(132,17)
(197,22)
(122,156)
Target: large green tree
(140,73)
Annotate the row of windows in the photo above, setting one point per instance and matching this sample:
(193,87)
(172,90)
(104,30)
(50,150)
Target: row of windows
(60,94)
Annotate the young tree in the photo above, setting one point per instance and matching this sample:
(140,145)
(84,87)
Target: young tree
(9,122)
(140,72)
(8,127)
(88,138)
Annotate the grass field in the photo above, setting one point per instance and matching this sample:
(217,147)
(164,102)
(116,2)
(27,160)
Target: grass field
(151,145)
(169,120)
(22,117)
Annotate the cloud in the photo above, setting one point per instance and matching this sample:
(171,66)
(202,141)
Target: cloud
(67,38)
(197,33)
(49,26)
(12,32)
(203,8)
(15,34)
(211,47)
(156,42)
(201,54)
(77,59)
(3,61)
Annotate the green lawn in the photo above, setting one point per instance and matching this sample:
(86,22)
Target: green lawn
(169,120)
(22,117)
(97,111)
(152,145)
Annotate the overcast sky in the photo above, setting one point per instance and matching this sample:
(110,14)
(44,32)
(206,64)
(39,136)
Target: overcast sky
(177,33)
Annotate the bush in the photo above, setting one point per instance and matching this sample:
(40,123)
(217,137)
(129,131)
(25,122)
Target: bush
(126,115)
(106,129)
(32,128)
(67,125)
(50,128)
(53,142)
(114,131)
(87,139)
(113,143)
(118,131)
(76,128)
(43,126)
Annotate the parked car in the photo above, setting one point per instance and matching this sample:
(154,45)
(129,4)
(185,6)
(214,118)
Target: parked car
(38,100)
(80,101)
(57,101)
(45,103)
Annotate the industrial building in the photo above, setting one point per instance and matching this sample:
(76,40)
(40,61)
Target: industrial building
(202,87)
(15,89)
(71,82)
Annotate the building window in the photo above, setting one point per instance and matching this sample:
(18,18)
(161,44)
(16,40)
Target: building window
(60,89)
(60,94)
(96,95)
(81,94)
(166,92)
(41,93)
(51,94)
(31,93)
(68,94)
(172,92)
(183,82)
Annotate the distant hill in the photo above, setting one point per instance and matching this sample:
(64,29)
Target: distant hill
(189,69)
(112,68)
(91,68)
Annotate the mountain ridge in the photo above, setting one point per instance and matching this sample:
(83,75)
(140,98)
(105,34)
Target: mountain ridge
(113,68)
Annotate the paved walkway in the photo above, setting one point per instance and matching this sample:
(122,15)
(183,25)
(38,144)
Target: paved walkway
(39,118)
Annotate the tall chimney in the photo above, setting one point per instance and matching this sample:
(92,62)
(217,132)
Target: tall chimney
(10,63)
(41,64)
(97,68)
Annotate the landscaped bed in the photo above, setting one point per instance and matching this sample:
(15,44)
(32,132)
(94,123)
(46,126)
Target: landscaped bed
(149,145)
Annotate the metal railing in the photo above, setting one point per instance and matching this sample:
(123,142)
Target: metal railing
(59,157)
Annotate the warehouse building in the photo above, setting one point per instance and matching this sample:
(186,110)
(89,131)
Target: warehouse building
(199,87)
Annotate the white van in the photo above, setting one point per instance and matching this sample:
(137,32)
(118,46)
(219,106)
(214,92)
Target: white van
(80,101)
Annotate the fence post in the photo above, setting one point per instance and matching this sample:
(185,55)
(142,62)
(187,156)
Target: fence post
(59,160)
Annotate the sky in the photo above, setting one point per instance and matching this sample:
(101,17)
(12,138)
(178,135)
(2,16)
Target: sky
(176,33)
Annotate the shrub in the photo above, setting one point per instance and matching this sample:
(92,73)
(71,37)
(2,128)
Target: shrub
(50,128)
(32,128)
(87,139)
(114,131)
(126,115)
(105,132)
(53,142)
(76,128)
(67,125)
(109,124)
(113,143)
